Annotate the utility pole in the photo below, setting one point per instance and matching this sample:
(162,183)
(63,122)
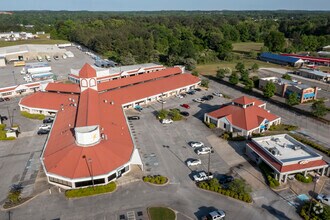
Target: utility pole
(208,164)
(315,180)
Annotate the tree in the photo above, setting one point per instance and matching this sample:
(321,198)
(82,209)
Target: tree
(249,85)
(287,77)
(269,90)
(254,67)
(293,99)
(240,67)
(221,73)
(275,41)
(195,73)
(233,79)
(244,75)
(319,109)
(205,83)
(239,186)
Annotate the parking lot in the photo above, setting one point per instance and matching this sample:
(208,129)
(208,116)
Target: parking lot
(11,75)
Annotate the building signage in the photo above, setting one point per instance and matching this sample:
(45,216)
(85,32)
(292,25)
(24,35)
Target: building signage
(303,162)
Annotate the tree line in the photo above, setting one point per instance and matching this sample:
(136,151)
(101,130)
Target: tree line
(177,37)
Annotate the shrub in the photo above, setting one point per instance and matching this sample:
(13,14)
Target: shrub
(156,179)
(300,177)
(272,182)
(225,136)
(32,116)
(73,193)
(210,125)
(162,114)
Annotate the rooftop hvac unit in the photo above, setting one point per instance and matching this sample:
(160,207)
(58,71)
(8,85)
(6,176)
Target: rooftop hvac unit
(274,151)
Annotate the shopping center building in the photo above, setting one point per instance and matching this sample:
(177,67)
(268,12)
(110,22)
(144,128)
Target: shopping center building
(90,141)
(286,156)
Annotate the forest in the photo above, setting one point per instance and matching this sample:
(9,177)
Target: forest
(178,37)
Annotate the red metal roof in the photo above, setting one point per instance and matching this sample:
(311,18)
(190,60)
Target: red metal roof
(245,118)
(312,59)
(244,100)
(287,168)
(130,80)
(88,110)
(62,87)
(87,71)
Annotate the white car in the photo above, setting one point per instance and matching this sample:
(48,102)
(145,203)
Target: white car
(179,96)
(196,144)
(45,127)
(194,162)
(161,101)
(167,121)
(217,94)
(203,150)
(324,199)
(199,100)
(215,215)
(201,176)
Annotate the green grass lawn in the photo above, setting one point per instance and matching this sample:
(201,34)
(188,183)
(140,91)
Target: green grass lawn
(32,41)
(161,213)
(210,69)
(247,47)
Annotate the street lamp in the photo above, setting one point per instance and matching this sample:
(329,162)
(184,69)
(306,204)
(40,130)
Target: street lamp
(315,180)
(208,164)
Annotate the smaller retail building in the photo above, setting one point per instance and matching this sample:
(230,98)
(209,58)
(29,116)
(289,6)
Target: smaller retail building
(286,156)
(243,116)
(285,87)
(314,74)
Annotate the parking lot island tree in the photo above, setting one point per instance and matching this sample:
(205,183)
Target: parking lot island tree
(269,90)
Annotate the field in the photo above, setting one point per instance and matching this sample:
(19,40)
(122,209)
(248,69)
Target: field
(247,47)
(161,213)
(210,69)
(32,41)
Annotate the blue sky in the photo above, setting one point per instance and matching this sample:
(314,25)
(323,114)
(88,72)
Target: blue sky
(150,5)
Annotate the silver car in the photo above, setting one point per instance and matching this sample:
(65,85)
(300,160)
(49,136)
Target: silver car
(324,199)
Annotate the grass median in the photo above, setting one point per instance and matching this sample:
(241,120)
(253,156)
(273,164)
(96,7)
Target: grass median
(89,191)
(161,213)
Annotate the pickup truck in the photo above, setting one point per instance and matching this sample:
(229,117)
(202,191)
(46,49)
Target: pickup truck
(215,215)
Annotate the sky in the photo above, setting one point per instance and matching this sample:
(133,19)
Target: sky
(156,5)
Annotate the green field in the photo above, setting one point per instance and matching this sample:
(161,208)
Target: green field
(32,41)
(161,213)
(210,69)
(247,47)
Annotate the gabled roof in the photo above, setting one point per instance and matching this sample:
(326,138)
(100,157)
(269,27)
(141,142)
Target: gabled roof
(273,56)
(87,71)
(244,118)
(244,100)
(62,87)
(88,110)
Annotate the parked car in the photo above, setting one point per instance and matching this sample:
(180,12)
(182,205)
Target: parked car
(217,94)
(48,120)
(179,96)
(226,179)
(161,101)
(167,121)
(185,106)
(138,108)
(191,92)
(194,162)
(215,215)
(2,99)
(56,57)
(199,100)
(198,89)
(3,118)
(45,127)
(133,117)
(323,198)
(7,99)
(43,131)
(210,97)
(194,144)
(184,95)
(204,150)
(186,114)
(201,176)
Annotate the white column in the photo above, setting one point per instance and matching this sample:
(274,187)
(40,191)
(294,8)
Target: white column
(323,171)
(285,178)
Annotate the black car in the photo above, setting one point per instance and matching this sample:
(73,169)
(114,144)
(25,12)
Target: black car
(191,92)
(48,120)
(3,118)
(185,113)
(210,97)
(205,98)
(133,117)
(42,131)
(225,179)
(1,100)
(198,89)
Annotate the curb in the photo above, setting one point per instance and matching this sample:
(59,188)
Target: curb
(152,184)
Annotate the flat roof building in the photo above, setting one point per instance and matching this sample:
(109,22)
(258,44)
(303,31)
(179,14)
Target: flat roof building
(90,130)
(285,87)
(243,116)
(314,74)
(280,59)
(285,155)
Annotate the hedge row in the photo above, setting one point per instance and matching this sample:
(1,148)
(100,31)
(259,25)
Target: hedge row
(281,127)
(74,193)
(311,143)
(272,182)
(245,197)
(156,179)
(33,116)
(300,177)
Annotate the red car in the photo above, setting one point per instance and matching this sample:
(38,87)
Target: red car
(185,106)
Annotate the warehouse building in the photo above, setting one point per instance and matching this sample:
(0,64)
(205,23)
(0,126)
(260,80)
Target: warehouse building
(90,141)
(285,87)
(281,60)
(286,156)
(313,74)
(244,116)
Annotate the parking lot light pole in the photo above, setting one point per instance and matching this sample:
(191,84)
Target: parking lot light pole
(208,165)
(315,180)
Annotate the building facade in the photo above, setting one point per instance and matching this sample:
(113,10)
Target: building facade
(314,74)
(286,156)
(244,116)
